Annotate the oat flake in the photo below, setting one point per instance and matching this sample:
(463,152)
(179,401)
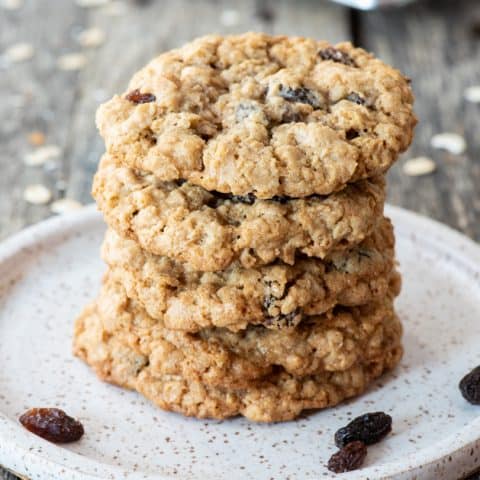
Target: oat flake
(11,4)
(452,142)
(37,194)
(41,155)
(472,94)
(91,3)
(229,18)
(416,167)
(72,61)
(65,205)
(115,9)
(36,138)
(91,38)
(19,52)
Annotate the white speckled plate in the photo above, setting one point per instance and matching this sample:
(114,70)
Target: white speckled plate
(48,272)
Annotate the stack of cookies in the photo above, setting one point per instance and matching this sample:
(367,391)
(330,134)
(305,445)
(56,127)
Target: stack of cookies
(251,269)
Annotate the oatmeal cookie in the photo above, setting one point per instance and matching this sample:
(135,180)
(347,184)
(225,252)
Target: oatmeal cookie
(175,379)
(209,231)
(263,115)
(185,299)
(334,341)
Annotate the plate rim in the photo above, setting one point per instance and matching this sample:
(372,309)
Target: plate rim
(16,456)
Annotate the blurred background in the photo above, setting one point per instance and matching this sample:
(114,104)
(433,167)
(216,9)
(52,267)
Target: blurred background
(60,58)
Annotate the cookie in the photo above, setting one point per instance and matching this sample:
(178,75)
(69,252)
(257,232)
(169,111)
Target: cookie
(334,341)
(272,295)
(263,115)
(209,231)
(205,376)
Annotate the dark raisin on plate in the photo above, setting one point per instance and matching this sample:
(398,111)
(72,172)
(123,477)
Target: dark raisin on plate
(350,457)
(52,424)
(368,428)
(136,96)
(470,386)
(337,56)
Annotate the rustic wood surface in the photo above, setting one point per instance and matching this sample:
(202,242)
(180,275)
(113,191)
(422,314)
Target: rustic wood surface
(434,42)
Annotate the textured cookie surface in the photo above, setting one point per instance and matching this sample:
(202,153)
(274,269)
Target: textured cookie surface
(277,294)
(208,231)
(334,341)
(263,374)
(268,115)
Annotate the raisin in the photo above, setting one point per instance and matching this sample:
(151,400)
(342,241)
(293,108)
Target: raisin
(348,458)
(291,117)
(249,198)
(356,98)
(300,94)
(136,97)
(291,319)
(282,199)
(368,428)
(52,424)
(364,253)
(331,53)
(268,301)
(218,198)
(351,133)
(470,386)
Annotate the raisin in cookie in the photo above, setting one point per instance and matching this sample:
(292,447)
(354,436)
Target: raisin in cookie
(208,231)
(273,295)
(334,341)
(263,115)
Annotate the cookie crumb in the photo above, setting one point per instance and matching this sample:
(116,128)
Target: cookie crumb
(472,94)
(37,194)
(229,18)
(20,52)
(65,205)
(72,61)
(11,4)
(416,167)
(41,155)
(36,138)
(452,142)
(91,38)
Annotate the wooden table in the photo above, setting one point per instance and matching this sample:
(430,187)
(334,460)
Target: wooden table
(436,43)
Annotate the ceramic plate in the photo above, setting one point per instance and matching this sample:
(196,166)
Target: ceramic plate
(48,272)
